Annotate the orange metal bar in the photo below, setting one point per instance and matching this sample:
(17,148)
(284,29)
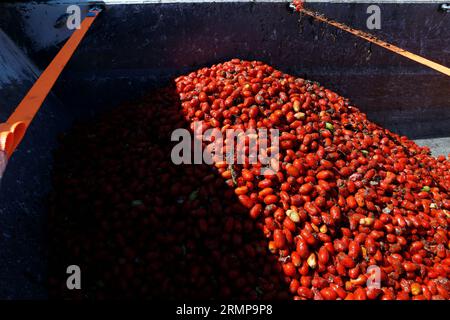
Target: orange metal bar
(367,36)
(12,132)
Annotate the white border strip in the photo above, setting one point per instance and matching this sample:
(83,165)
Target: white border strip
(113,2)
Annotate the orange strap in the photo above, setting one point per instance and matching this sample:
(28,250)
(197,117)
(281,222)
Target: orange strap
(12,132)
(431,64)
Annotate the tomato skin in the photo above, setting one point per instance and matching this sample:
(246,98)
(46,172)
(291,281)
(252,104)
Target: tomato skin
(353,273)
(248,175)
(289,224)
(402,295)
(305,292)
(341,293)
(296,259)
(360,294)
(324,175)
(346,195)
(409,266)
(335,212)
(323,255)
(306,188)
(302,248)
(289,269)
(348,262)
(304,269)
(266,183)
(265,192)
(294,286)
(305,281)
(256,210)
(328,294)
(241,190)
(354,250)
(292,171)
(246,201)
(311,208)
(351,202)
(320,202)
(270,199)
(373,293)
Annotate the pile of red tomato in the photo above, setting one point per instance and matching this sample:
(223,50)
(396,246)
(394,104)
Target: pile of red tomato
(349,197)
